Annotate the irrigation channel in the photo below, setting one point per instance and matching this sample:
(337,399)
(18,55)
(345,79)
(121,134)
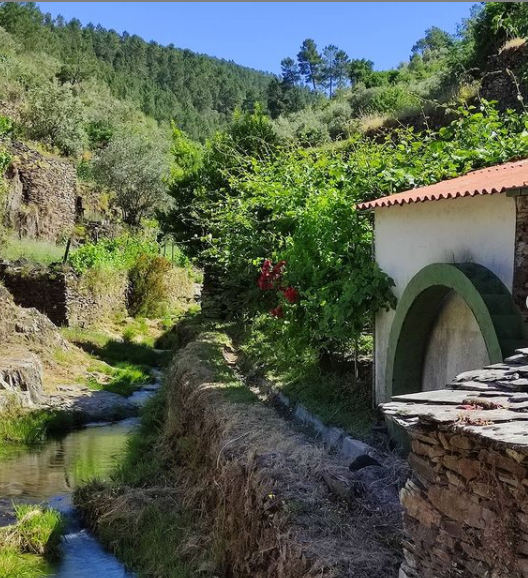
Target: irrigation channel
(50,473)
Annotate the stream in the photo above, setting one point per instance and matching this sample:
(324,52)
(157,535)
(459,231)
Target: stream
(50,473)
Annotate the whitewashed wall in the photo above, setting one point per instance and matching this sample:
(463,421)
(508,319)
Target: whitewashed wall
(472,229)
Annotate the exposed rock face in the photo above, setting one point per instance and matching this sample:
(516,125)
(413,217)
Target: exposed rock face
(90,405)
(42,197)
(466,504)
(21,378)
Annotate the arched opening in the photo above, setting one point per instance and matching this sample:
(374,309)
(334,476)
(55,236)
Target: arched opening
(439,299)
(455,344)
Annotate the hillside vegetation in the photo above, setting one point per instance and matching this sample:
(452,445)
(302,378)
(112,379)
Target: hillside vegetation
(267,204)
(163,82)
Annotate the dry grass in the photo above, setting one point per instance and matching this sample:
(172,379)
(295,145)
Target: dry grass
(512,43)
(372,122)
(262,484)
(244,494)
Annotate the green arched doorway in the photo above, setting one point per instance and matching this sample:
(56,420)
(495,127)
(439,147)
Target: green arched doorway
(497,316)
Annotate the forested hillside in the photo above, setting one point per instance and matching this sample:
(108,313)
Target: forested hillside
(324,94)
(166,83)
(265,203)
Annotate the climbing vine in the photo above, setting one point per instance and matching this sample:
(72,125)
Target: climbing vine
(299,207)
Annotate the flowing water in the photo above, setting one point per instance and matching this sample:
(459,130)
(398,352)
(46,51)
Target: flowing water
(49,474)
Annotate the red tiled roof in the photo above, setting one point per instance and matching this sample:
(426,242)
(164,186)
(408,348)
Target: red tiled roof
(497,179)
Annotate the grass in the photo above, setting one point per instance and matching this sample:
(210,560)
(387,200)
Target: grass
(30,427)
(294,368)
(37,530)
(118,364)
(123,379)
(13,564)
(28,544)
(43,252)
(141,464)
(145,525)
(115,350)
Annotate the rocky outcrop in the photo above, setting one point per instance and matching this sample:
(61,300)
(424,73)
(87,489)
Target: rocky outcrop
(42,195)
(89,405)
(20,378)
(466,504)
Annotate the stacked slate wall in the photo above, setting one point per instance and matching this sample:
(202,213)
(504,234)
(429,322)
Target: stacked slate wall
(466,508)
(42,196)
(66,298)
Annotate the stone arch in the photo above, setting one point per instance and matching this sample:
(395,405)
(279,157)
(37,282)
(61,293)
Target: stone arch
(491,303)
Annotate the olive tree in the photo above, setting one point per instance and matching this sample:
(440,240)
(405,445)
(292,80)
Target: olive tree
(134,167)
(54,114)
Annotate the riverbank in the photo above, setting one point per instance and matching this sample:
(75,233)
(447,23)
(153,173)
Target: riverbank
(97,375)
(44,476)
(233,488)
(31,543)
(113,370)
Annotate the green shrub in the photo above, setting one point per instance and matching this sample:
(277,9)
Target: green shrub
(390,99)
(54,114)
(6,125)
(118,254)
(149,291)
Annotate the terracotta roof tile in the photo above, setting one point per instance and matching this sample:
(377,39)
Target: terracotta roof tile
(492,180)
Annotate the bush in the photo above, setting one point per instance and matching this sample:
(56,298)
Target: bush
(117,254)
(54,115)
(384,100)
(148,289)
(6,125)
(134,167)
(300,208)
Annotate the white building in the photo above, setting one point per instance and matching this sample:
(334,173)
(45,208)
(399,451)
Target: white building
(458,254)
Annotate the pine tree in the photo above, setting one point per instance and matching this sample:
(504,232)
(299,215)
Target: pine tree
(310,63)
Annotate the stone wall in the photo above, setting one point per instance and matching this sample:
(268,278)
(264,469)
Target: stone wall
(503,80)
(91,299)
(42,197)
(33,286)
(520,276)
(466,503)
(83,300)
(466,508)
(66,298)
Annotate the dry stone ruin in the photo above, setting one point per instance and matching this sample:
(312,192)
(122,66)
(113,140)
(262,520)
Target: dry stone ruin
(42,200)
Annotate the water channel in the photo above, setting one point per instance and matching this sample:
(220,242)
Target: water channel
(49,474)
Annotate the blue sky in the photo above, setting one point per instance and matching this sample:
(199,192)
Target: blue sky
(260,34)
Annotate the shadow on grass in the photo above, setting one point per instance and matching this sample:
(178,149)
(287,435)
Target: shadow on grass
(116,352)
